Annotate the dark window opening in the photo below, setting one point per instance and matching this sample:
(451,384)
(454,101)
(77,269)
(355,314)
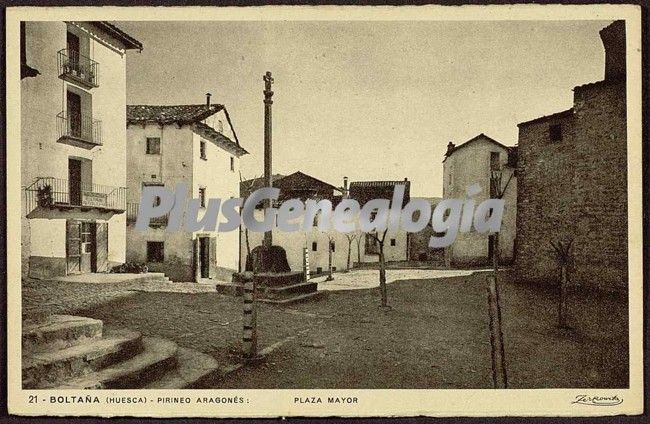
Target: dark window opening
(153,145)
(202,196)
(314,246)
(555,132)
(155,251)
(232,163)
(202,149)
(319,270)
(333,246)
(393,242)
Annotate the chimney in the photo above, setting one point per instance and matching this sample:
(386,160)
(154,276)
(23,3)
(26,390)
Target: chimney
(345,188)
(613,38)
(450,148)
(207,99)
(405,179)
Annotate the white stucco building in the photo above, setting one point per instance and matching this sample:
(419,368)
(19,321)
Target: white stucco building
(191,144)
(470,163)
(73,146)
(362,247)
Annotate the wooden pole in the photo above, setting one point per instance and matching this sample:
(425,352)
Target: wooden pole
(305,263)
(499,376)
(249,341)
(268,152)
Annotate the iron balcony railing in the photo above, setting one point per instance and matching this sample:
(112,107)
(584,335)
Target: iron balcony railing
(78,67)
(56,192)
(79,127)
(132,215)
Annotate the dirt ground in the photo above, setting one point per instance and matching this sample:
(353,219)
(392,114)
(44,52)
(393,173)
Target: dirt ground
(435,336)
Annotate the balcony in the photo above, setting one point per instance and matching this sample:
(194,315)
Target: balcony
(132,210)
(77,68)
(50,197)
(79,130)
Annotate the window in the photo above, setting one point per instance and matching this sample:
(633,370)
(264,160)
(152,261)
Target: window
(157,199)
(495,161)
(155,251)
(202,150)
(319,270)
(232,163)
(555,132)
(220,126)
(86,237)
(314,246)
(316,219)
(202,196)
(153,145)
(333,245)
(393,242)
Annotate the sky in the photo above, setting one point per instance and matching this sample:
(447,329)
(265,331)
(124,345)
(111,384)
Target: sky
(367,100)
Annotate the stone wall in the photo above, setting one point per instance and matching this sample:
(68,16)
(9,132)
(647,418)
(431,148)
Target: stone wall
(576,188)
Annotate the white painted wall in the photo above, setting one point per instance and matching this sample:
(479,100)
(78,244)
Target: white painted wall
(42,97)
(467,166)
(180,162)
(222,182)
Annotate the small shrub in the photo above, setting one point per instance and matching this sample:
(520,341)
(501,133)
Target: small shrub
(130,268)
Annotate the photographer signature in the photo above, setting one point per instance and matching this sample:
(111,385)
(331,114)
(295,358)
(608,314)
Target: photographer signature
(598,400)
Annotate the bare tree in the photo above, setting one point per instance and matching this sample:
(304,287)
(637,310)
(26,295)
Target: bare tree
(351,237)
(565,258)
(499,373)
(330,248)
(382,267)
(359,240)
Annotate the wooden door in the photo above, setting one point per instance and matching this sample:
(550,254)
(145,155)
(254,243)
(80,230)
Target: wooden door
(74,181)
(73,102)
(73,246)
(100,248)
(204,256)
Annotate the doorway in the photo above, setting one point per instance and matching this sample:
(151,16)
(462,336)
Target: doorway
(204,256)
(74,181)
(86,246)
(73,102)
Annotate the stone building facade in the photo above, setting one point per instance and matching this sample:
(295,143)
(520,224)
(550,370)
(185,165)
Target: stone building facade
(572,181)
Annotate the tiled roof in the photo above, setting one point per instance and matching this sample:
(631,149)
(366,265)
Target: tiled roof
(176,114)
(130,43)
(364,191)
(481,136)
(246,187)
(562,114)
(219,139)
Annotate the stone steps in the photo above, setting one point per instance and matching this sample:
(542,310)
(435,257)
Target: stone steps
(59,331)
(47,367)
(295,299)
(192,369)
(290,290)
(157,356)
(67,352)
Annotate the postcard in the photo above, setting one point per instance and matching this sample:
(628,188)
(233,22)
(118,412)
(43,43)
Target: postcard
(324,211)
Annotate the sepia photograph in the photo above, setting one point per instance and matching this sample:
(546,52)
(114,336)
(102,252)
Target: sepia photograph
(331,207)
